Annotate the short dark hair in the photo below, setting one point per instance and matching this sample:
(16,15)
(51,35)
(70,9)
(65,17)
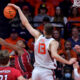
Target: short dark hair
(46,19)
(4,57)
(67,41)
(48,29)
(75,28)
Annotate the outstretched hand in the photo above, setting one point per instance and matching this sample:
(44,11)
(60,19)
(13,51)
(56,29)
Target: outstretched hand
(13,5)
(72,61)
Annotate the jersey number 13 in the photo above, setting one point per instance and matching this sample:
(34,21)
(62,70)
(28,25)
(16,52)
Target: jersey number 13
(42,48)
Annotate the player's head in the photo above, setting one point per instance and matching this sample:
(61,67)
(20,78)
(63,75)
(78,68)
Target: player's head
(4,57)
(48,29)
(21,43)
(67,72)
(14,34)
(42,9)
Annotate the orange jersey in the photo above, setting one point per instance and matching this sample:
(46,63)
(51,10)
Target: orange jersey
(73,54)
(75,19)
(62,41)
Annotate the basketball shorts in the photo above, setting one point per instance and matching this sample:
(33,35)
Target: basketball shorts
(40,73)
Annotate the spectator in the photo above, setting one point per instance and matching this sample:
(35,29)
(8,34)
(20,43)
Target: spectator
(23,33)
(15,22)
(74,16)
(48,5)
(45,21)
(59,17)
(30,44)
(65,6)
(55,2)
(56,36)
(12,39)
(75,39)
(22,3)
(42,13)
(67,74)
(69,53)
(27,12)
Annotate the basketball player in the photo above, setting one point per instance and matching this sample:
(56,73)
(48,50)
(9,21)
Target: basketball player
(45,50)
(6,72)
(22,59)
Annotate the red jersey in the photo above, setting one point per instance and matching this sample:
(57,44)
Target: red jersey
(8,73)
(22,63)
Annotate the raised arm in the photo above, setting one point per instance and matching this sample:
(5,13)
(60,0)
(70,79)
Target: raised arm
(25,22)
(53,48)
(11,46)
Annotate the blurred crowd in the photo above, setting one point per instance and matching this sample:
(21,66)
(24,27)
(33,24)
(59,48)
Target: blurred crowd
(66,28)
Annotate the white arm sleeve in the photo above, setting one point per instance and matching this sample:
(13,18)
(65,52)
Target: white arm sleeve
(76,74)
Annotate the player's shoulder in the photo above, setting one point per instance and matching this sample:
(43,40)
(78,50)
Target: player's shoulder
(7,68)
(55,42)
(12,69)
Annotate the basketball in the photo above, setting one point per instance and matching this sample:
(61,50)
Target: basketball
(9,12)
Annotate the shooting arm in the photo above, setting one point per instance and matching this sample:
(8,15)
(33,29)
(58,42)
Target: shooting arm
(26,23)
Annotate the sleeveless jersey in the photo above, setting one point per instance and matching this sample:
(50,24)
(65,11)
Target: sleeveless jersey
(42,55)
(22,63)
